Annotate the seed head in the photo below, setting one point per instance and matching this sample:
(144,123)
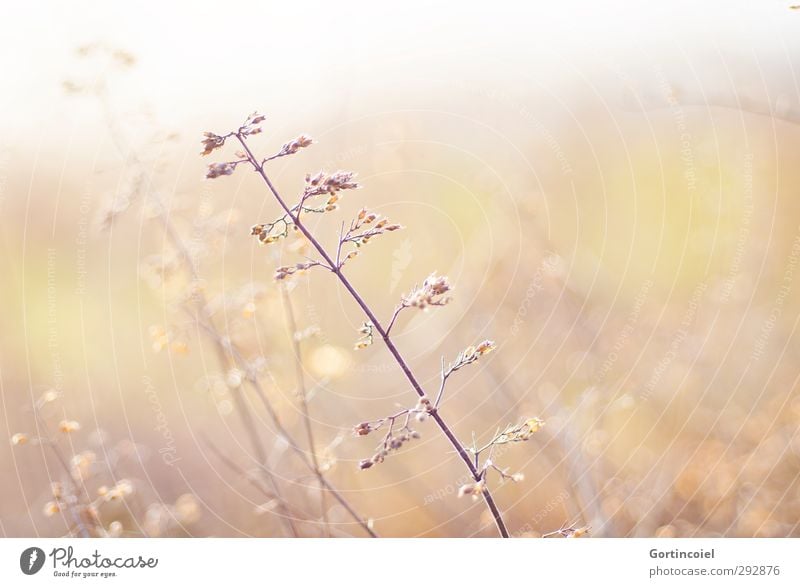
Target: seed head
(219,169)
(292,147)
(211,142)
(431,293)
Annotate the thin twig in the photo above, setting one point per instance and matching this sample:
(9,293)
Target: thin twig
(228,462)
(252,380)
(302,392)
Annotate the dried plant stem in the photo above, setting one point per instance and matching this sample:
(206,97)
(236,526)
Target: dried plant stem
(177,241)
(223,346)
(231,464)
(336,269)
(241,405)
(252,380)
(226,345)
(302,392)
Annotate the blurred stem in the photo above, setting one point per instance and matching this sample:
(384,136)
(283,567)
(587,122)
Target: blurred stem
(252,378)
(302,392)
(334,268)
(231,464)
(174,237)
(241,405)
(76,516)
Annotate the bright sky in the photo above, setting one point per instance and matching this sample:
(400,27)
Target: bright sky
(230,55)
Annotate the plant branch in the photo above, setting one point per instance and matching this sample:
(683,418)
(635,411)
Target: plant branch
(459,448)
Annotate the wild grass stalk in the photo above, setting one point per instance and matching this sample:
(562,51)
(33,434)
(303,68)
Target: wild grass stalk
(320,195)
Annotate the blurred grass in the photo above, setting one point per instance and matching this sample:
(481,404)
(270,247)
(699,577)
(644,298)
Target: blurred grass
(653,427)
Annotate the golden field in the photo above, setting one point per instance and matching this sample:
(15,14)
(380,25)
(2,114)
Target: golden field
(613,202)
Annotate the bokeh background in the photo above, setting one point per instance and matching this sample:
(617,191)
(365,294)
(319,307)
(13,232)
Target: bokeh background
(611,188)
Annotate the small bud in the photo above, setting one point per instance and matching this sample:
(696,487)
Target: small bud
(234,378)
(48,397)
(19,439)
(468,489)
(362,429)
(219,169)
(67,426)
(179,347)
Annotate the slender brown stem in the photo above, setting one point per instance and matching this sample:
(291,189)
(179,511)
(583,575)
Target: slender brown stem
(396,313)
(301,390)
(228,462)
(459,448)
(252,379)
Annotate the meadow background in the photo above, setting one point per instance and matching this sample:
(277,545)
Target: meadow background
(612,190)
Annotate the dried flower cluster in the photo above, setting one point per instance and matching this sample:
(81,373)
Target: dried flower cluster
(367,336)
(331,184)
(363,228)
(220,169)
(318,184)
(472,354)
(571,531)
(516,433)
(395,438)
(430,293)
(288,270)
(294,146)
(211,143)
(70,496)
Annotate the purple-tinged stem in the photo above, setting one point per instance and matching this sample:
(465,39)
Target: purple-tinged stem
(462,452)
